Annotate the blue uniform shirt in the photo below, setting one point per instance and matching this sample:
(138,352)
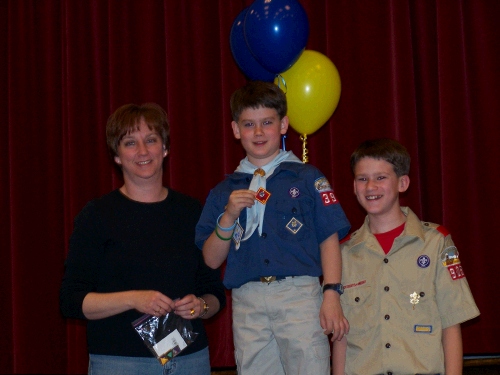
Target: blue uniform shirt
(301,201)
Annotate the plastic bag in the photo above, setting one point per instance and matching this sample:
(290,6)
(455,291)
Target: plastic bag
(165,336)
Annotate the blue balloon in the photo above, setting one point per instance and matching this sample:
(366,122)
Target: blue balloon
(242,55)
(276,32)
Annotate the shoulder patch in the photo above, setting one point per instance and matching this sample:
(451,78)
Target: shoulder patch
(443,230)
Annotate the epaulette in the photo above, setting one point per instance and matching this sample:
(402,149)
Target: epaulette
(443,230)
(346,238)
(437,227)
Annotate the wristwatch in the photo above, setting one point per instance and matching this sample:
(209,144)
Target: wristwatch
(205,307)
(339,288)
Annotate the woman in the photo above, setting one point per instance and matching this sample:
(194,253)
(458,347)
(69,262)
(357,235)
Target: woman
(132,252)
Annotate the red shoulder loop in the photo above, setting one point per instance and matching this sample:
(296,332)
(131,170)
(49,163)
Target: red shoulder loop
(346,238)
(443,230)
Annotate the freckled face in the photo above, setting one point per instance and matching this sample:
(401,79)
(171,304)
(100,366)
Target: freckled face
(377,186)
(141,154)
(260,133)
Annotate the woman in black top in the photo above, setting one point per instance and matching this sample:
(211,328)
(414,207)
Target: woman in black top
(132,252)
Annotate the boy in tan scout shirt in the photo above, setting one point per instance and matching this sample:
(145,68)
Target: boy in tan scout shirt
(405,293)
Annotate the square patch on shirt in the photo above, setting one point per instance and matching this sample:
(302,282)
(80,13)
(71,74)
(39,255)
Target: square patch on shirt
(262,195)
(294,225)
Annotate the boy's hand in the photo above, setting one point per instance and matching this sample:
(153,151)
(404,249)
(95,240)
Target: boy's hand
(238,200)
(332,317)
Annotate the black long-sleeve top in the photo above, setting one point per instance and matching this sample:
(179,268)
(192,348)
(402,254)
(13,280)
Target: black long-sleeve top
(117,245)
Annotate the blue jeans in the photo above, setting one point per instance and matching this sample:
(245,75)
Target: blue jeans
(193,364)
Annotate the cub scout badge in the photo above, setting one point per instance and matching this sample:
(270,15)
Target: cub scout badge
(449,258)
(325,191)
(262,195)
(294,225)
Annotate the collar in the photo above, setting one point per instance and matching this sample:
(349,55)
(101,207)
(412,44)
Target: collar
(284,166)
(413,228)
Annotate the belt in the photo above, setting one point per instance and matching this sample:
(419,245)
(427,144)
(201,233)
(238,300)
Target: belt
(270,279)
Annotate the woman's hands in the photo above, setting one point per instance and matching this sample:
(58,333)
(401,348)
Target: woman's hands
(153,302)
(189,307)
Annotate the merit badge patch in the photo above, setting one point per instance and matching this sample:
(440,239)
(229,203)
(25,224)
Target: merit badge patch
(449,258)
(294,192)
(294,225)
(262,195)
(417,328)
(423,261)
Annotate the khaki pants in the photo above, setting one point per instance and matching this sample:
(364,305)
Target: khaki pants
(276,328)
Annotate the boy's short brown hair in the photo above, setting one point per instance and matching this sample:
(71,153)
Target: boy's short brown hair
(257,94)
(384,149)
(126,119)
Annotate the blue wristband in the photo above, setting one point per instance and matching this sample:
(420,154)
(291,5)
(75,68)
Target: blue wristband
(225,229)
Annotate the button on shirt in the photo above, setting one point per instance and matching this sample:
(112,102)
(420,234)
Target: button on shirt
(397,305)
(279,251)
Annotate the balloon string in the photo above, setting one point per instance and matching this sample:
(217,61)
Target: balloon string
(305,158)
(281,81)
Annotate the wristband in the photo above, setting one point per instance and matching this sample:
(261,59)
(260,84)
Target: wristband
(222,238)
(225,229)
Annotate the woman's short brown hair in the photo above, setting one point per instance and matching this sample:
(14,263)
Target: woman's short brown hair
(126,119)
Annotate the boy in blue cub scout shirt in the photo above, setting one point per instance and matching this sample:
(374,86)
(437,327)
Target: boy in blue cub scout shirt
(405,289)
(278,223)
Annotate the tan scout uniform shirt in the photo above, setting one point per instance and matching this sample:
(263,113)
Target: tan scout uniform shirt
(398,304)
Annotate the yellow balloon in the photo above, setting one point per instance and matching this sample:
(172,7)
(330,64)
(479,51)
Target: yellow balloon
(312,87)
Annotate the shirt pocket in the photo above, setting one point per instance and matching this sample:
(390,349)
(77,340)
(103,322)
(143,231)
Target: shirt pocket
(293,219)
(419,301)
(357,304)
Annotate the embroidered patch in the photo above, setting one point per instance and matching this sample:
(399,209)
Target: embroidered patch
(449,256)
(294,225)
(422,328)
(294,192)
(322,184)
(328,198)
(423,261)
(262,195)
(456,271)
(354,284)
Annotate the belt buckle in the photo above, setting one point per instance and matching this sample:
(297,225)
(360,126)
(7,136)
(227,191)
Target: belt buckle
(267,279)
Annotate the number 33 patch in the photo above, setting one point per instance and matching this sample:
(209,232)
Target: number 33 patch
(328,198)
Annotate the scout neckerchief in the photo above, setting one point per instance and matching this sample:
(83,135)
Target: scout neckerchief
(255,214)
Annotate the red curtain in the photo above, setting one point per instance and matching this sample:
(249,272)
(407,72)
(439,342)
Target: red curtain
(424,72)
